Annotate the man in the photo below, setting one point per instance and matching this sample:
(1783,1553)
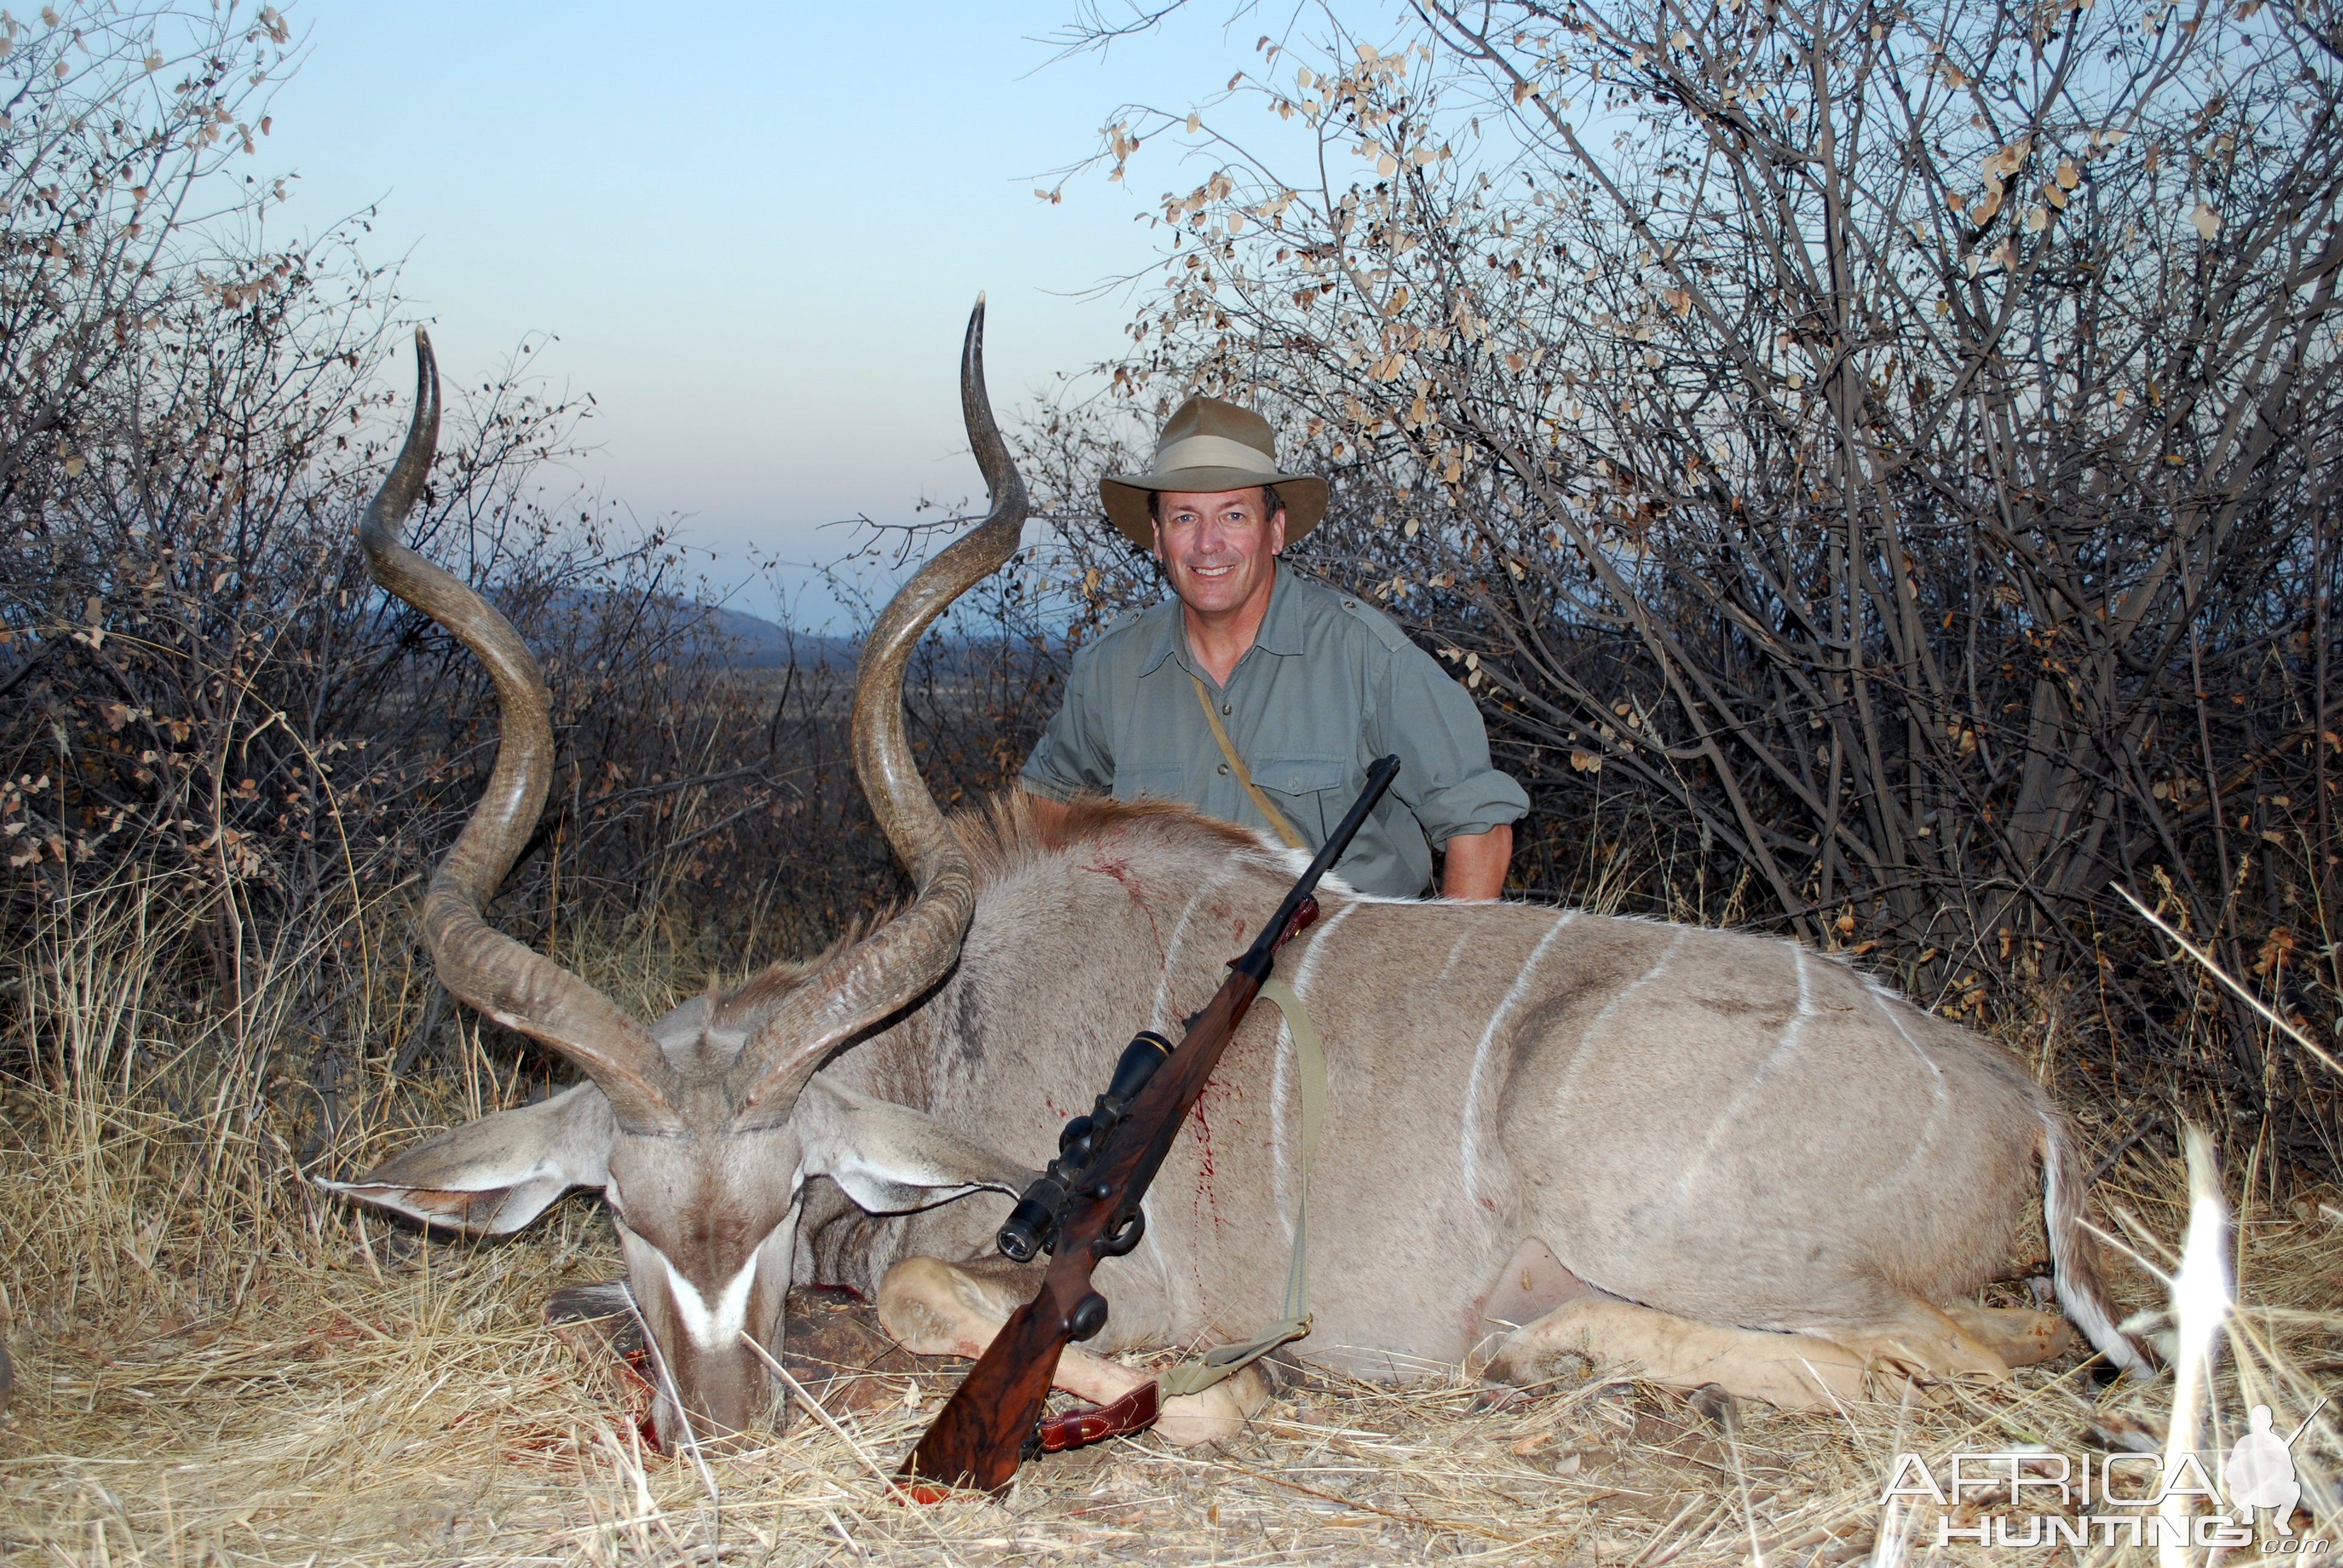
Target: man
(1260,696)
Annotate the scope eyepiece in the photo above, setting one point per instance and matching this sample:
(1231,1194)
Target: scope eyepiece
(1033,1225)
(1028,1231)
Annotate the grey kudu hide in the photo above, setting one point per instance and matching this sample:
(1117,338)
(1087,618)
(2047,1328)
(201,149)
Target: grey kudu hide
(1727,1132)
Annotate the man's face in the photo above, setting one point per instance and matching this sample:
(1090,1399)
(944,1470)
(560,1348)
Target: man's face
(1217,548)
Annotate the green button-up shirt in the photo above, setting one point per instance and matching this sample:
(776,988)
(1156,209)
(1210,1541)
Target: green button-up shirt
(1329,685)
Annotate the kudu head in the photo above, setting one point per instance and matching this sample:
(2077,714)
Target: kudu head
(700,1129)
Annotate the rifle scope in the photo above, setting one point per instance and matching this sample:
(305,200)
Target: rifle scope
(1033,1225)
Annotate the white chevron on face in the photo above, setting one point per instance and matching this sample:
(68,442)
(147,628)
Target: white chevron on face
(717,1327)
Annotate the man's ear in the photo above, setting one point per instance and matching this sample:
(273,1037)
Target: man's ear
(890,1159)
(495,1175)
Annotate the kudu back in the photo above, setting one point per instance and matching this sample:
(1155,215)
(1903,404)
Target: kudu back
(1726,1127)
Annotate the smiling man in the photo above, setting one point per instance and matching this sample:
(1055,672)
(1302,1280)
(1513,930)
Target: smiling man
(1261,696)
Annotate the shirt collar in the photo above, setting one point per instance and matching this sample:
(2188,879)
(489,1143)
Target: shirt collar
(1280,633)
(1280,628)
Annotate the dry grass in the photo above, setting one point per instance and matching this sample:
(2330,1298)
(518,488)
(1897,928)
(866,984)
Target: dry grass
(213,1365)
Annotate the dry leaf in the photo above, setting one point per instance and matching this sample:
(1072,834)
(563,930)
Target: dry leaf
(2208,221)
(2004,162)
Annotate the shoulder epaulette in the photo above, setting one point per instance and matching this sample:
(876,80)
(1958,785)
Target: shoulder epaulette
(1386,629)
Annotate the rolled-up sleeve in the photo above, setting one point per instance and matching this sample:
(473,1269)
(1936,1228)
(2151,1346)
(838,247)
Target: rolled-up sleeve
(1073,758)
(1445,777)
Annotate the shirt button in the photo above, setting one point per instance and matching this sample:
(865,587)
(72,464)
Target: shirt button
(1227,708)
(1350,604)
(1224,769)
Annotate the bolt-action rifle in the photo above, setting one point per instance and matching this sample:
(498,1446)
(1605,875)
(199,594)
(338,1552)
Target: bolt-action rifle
(1086,1206)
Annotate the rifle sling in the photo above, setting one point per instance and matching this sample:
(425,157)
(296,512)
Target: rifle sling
(1200,1373)
(1261,802)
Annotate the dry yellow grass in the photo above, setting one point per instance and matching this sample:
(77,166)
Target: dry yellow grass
(217,1365)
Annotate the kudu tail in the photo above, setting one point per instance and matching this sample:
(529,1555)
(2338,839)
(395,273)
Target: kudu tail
(2075,1251)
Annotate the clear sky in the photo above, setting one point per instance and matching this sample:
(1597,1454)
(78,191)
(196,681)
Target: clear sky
(757,230)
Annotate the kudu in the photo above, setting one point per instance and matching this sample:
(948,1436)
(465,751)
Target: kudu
(1552,1135)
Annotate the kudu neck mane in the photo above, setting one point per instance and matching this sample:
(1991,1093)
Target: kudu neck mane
(1008,835)
(1002,837)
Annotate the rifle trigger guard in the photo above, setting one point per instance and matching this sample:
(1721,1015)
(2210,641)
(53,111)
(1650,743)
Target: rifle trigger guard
(1114,1243)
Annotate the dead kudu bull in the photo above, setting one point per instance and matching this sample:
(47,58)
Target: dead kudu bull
(1551,1136)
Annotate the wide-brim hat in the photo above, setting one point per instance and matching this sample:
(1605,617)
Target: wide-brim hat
(1209,446)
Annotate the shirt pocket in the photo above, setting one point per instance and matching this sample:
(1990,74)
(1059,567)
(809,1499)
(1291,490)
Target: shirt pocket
(1306,788)
(1149,780)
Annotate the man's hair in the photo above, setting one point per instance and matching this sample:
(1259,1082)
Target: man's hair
(1272,503)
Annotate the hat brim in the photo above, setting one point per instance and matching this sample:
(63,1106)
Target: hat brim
(1125,495)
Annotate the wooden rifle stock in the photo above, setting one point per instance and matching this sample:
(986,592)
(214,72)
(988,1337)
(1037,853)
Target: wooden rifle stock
(983,1433)
(979,1438)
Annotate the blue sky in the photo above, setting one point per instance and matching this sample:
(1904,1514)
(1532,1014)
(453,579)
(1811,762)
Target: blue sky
(756,229)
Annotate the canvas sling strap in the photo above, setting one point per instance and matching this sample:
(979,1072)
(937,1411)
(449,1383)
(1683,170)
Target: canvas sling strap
(1261,802)
(1200,1373)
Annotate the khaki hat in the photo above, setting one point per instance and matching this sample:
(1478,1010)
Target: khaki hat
(1208,446)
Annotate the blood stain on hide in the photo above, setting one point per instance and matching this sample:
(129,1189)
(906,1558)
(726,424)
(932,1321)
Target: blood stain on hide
(1207,1198)
(1119,869)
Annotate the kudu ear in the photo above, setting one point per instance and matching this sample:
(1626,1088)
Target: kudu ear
(890,1159)
(495,1175)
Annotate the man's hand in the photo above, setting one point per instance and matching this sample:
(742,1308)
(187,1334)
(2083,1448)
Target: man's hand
(1476,863)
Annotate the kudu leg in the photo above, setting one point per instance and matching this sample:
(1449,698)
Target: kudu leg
(2020,1336)
(933,1309)
(1931,1342)
(1601,1335)
(1793,1370)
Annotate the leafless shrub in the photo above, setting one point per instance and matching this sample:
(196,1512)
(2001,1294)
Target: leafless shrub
(1886,453)
(209,711)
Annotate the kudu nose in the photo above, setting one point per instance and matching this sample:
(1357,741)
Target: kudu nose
(732,1403)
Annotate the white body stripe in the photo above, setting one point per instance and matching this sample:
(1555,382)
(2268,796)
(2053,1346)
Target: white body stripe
(1281,1078)
(1729,1116)
(1470,1149)
(1593,1030)
(1171,950)
(1940,1096)
(1455,951)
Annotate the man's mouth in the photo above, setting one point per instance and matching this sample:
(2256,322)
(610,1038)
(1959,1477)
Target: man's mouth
(1213,572)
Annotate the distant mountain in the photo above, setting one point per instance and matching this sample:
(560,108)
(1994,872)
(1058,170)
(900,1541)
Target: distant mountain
(755,643)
